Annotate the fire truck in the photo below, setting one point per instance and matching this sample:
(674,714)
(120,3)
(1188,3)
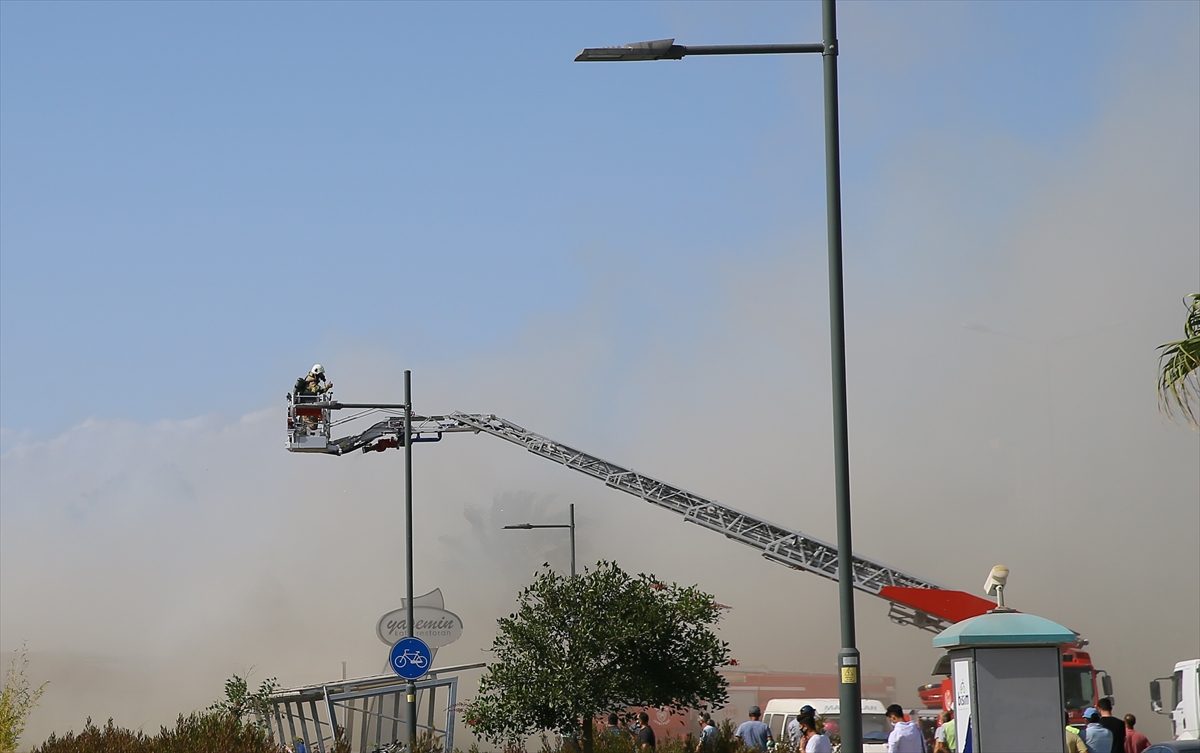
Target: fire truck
(913,601)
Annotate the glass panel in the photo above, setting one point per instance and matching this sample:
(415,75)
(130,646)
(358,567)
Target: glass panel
(1176,690)
(1078,688)
(875,727)
(775,722)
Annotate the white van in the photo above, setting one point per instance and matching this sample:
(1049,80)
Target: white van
(875,725)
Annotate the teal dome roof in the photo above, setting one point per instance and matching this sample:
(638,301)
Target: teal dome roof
(1004,629)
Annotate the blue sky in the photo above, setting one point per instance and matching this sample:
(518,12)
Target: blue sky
(200,200)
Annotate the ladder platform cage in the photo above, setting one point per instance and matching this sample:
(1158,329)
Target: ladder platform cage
(308,422)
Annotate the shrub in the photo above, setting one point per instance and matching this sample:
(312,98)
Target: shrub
(213,733)
(198,733)
(17,701)
(110,739)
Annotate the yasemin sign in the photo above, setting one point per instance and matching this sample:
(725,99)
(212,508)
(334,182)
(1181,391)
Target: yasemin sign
(431,623)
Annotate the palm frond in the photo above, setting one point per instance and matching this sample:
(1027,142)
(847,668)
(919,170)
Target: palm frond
(1179,368)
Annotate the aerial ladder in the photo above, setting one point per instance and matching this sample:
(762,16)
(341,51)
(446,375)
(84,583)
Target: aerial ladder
(913,601)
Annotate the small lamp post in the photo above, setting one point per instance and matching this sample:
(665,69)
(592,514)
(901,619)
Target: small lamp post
(570,525)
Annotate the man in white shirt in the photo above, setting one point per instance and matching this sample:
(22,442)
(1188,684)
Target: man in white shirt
(905,737)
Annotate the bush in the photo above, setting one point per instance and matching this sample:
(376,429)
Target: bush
(213,733)
(198,733)
(110,739)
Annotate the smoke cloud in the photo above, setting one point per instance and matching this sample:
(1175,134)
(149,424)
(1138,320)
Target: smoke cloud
(1002,407)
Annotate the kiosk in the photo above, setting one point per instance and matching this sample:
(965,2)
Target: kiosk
(1007,672)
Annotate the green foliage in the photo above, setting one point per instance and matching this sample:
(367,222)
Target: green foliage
(93,739)
(198,733)
(427,742)
(17,701)
(235,724)
(209,733)
(1179,364)
(240,703)
(579,647)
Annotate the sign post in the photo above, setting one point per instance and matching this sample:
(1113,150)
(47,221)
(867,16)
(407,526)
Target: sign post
(411,690)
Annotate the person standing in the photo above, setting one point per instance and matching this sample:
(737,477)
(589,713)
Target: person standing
(614,726)
(1112,724)
(708,731)
(905,737)
(1095,736)
(793,734)
(1135,742)
(813,740)
(1074,742)
(645,733)
(944,739)
(753,733)
(807,710)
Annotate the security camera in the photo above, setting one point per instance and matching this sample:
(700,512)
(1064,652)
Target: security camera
(997,578)
(994,586)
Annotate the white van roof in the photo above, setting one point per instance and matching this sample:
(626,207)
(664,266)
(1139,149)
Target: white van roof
(824,706)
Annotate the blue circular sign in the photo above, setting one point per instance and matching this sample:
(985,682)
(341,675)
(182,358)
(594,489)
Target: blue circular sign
(410,658)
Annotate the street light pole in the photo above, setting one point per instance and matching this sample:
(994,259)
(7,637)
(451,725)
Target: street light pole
(411,689)
(850,693)
(849,687)
(570,525)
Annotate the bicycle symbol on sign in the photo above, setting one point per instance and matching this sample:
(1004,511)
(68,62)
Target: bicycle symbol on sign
(411,657)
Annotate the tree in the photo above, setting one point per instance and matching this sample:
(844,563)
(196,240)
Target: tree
(578,647)
(1179,380)
(17,701)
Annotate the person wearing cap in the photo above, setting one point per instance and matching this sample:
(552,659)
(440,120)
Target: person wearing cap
(1075,743)
(753,733)
(1095,736)
(905,737)
(807,710)
(813,740)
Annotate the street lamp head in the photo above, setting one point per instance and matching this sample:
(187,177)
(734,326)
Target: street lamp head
(521,526)
(659,49)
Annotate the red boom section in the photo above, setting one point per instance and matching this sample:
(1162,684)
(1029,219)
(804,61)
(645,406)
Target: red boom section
(954,606)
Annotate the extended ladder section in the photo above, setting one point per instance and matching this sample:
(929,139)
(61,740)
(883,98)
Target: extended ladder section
(787,547)
(914,601)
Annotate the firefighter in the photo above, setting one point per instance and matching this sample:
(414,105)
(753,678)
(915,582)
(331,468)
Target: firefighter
(311,385)
(307,389)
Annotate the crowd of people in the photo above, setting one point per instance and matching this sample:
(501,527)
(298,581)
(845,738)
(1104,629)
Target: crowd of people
(1106,733)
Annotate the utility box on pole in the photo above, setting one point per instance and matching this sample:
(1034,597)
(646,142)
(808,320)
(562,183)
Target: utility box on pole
(1007,672)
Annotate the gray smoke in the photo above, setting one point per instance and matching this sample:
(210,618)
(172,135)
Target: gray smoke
(1002,410)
